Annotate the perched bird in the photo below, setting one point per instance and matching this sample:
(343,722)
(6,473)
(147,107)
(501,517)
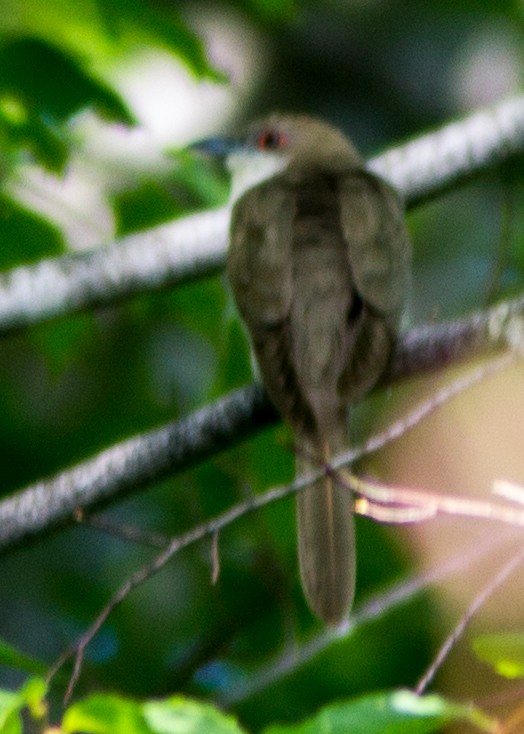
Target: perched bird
(319,264)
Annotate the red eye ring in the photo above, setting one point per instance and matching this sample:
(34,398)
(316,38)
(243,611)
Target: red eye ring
(271,140)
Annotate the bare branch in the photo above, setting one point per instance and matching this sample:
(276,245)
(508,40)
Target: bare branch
(437,161)
(401,593)
(396,502)
(392,500)
(132,464)
(394,496)
(437,345)
(130,533)
(148,261)
(195,246)
(477,603)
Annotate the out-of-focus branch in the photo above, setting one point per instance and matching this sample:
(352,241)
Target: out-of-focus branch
(132,464)
(436,345)
(434,162)
(195,246)
(389,497)
(288,661)
(148,261)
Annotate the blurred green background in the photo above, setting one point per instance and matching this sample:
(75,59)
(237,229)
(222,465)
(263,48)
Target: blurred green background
(96,101)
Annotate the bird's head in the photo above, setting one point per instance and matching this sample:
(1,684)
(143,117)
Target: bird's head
(279,142)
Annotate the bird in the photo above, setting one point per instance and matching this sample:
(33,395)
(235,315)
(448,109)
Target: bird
(319,263)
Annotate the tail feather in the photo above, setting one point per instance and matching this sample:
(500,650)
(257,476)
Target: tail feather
(326,546)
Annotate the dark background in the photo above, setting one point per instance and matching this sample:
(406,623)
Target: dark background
(382,71)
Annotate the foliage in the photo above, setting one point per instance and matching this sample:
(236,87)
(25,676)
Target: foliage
(504,651)
(111,714)
(383,71)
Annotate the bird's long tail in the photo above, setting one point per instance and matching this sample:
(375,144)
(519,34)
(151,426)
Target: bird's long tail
(326,539)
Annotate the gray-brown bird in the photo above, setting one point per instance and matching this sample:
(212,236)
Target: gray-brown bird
(319,264)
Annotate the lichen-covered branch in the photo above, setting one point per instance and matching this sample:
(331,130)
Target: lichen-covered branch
(133,464)
(195,246)
(434,162)
(148,261)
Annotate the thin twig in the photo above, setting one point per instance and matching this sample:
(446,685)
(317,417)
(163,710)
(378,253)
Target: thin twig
(427,406)
(215,558)
(480,599)
(428,503)
(124,532)
(509,490)
(374,608)
(393,515)
(132,464)
(149,569)
(392,495)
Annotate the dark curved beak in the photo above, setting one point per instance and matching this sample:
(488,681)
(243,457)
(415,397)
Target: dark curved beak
(215,147)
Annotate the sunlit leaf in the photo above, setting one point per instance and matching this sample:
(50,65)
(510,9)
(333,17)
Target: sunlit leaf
(138,20)
(10,705)
(111,714)
(95,33)
(31,696)
(39,77)
(388,713)
(56,58)
(40,89)
(34,692)
(105,714)
(503,651)
(178,714)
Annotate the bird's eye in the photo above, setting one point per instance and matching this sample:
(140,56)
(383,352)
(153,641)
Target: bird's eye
(270,140)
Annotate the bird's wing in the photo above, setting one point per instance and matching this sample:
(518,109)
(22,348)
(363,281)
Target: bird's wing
(260,259)
(379,252)
(260,271)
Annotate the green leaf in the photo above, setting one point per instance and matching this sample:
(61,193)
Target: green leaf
(178,714)
(10,706)
(206,180)
(96,32)
(139,20)
(395,712)
(59,57)
(112,714)
(42,78)
(12,725)
(31,695)
(41,87)
(24,235)
(503,651)
(12,658)
(105,714)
